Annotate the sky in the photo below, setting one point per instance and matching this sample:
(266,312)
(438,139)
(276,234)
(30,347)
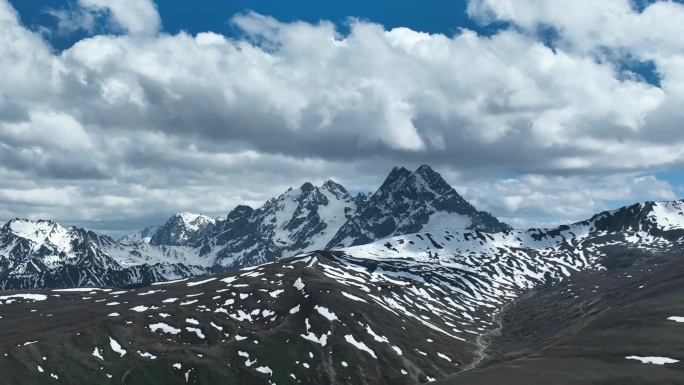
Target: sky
(115,115)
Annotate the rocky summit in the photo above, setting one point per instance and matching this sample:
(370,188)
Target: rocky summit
(594,302)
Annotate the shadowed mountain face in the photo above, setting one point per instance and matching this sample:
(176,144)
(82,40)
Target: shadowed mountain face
(410,202)
(598,327)
(181,229)
(462,306)
(44,254)
(323,318)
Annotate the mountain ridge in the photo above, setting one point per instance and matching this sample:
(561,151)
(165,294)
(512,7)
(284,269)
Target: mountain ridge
(408,309)
(300,220)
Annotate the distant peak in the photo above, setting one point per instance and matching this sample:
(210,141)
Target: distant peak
(241,211)
(333,186)
(428,173)
(194,219)
(243,208)
(28,222)
(331,183)
(307,187)
(433,179)
(36,231)
(187,216)
(425,169)
(398,172)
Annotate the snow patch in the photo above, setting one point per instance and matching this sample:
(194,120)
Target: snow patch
(97,353)
(201,282)
(116,347)
(299,285)
(326,313)
(34,297)
(265,370)
(353,297)
(359,345)
(164,328)
(147,355)
(653,360)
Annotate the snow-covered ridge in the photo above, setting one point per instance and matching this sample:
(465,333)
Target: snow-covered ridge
(41,232)
(668,215)
(584,236)
(194,222)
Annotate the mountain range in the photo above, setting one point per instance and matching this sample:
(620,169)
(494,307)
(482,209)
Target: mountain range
(38,254)
(595,302)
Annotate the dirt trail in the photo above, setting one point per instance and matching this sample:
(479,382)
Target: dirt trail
(483,341)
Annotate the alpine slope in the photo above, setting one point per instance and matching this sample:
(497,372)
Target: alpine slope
(461,307)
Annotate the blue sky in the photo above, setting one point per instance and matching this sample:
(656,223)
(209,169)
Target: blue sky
(434,16)
(600,129)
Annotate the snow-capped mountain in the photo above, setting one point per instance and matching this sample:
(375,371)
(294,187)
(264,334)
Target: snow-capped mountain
(300,220)
(186,245)
(316,218)
(403,310)
(410,202)
(45,254)
(183,229)
(30,247)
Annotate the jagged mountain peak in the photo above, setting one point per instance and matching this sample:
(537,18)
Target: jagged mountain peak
(424,178)
(335,188)
(300,219)
(22,224)
(396,175)
(309,194)
(424,168)
(181,229)
(195,220)
(307,187)
(39,232)
(432,178)
(239,212)
(409,202)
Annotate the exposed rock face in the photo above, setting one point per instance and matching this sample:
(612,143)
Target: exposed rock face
(44,254)
(410,202)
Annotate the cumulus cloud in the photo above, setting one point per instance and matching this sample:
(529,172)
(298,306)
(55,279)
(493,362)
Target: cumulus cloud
(538,200)
(127,16)
(144,122)
(133,16)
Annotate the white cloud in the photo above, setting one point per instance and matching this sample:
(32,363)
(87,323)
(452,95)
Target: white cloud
(588,24)
(537,200)
(47,129)
(155,123)
(70,21)
(133,16)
